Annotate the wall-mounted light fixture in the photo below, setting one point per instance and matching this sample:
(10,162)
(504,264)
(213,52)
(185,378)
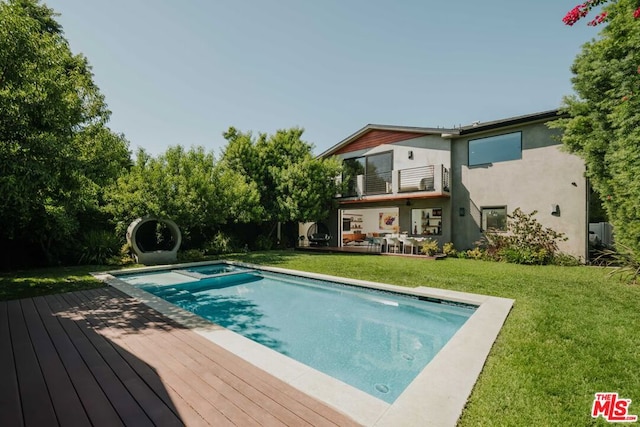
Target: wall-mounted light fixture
(555,210)
(461,212)
(410,155)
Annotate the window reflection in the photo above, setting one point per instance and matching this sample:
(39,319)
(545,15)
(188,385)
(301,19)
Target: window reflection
(494,149)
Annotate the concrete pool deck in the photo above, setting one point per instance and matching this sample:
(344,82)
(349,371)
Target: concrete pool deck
(436,396)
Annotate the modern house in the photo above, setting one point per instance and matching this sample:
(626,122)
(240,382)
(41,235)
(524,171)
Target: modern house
(451,184)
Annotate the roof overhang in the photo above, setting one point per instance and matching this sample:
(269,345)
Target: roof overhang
(392,198)
(408,129)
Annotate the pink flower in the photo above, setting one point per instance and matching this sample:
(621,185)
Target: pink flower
(574,15)
(598,19)
(636,14)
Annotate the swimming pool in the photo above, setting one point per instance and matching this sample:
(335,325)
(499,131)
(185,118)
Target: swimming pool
(377,341)
(436,396)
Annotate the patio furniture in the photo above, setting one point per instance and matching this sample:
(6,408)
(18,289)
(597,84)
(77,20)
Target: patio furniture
(393,242)
(319,239)
(374,243)
(409,242)
(318,234)
(353,237)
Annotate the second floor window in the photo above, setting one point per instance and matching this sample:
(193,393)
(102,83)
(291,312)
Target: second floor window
(352,168)
(492,149)
(377,171)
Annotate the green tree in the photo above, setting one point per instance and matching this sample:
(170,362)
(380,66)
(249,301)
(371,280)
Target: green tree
(188,187)
(53,135)
(293,184)
(604,118)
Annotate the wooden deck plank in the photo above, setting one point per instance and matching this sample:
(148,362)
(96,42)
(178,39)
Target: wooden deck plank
(102,350)
(115,331)
(98,408)
(205,399)
(136,338)
(10,408)
(37,408)
(123,402)
(273,395)
(66,402)
(158,412)
(213,375)
(281,397)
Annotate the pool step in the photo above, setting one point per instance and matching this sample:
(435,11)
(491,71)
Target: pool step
(200,276)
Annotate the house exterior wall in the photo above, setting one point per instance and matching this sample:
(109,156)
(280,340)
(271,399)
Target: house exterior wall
(545,176)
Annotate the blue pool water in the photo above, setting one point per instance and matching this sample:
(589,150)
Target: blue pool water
(376,341)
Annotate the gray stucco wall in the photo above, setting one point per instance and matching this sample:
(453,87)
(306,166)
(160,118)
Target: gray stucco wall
(543,177)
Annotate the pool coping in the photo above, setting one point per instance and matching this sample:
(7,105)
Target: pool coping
(437,396)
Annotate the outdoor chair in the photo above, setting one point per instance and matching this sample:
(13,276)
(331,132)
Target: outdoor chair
(319,239)
(393,242)
(408,242)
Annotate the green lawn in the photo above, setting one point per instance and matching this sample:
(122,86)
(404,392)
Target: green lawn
(32,283)
(573,331)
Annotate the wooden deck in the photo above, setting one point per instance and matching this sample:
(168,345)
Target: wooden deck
(104,359)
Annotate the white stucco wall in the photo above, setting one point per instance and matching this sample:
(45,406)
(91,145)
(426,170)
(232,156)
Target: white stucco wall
(545,176)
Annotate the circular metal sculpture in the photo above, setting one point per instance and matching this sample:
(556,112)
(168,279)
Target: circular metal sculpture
(318,234)
(154,240)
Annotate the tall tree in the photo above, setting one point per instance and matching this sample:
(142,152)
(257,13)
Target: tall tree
(53,135)
(293,184)
(188,187)
(604,116)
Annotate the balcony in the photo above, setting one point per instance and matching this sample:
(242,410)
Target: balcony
(427,180)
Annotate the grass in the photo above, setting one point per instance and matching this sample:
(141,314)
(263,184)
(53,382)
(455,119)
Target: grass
(33,283)
(573,331)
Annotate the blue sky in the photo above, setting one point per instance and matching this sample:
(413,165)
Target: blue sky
(183,72)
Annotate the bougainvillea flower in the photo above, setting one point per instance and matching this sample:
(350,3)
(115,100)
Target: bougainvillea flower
(574,15)
(598,19)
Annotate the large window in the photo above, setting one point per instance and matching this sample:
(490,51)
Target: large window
(378,173)
(494,219)
(352,168)
(494,149)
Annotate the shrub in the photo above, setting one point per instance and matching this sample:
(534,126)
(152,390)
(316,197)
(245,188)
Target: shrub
(525,256)
(475,253)
(565,260)
(462,255)
(429,247)
(264,242)
(191,255)
(448,249)
(625,262)
(525,242)
(221,243)
(98,247)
